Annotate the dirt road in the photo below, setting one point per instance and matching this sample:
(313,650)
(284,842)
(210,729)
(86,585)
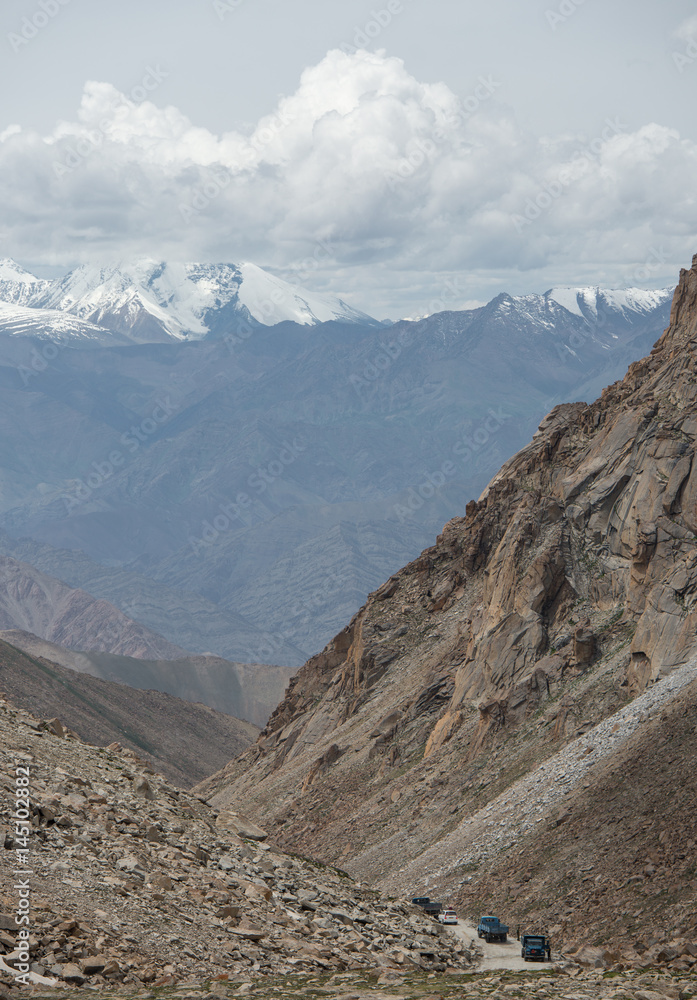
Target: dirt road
(500,955)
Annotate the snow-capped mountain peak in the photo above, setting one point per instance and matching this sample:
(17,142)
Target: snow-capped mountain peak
(125,297)
(10,270)
(17,285)
(271,300)
(149,300)
(590,301)
(144,300)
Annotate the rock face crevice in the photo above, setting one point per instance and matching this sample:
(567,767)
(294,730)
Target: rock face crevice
(568,587)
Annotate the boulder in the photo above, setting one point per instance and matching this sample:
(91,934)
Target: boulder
(590,957)
(584,646)
(240,824)
(94,964)
(73,974)
(142,786)
(248,933)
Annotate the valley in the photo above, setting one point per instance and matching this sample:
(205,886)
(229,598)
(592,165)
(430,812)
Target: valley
(462,736)
(314,458)
(495,687)
(348,500)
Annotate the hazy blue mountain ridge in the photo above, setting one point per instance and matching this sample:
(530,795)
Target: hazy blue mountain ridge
(273,479)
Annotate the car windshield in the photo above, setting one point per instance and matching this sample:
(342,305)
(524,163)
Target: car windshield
(534,940)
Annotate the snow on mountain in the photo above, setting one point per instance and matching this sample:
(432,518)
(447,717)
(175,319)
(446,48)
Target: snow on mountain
(16,284)
(270,300)
(51,324)
(591,301)
(567,298)
(138,299)
(149,300)
(145,301)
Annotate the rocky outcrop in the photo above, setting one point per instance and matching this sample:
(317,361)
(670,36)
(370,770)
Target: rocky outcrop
(587,836)
(567,588)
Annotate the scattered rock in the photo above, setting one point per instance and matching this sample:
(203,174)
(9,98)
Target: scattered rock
(73,974)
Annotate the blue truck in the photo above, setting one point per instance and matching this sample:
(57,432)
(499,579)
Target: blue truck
(491,929)
(535,947)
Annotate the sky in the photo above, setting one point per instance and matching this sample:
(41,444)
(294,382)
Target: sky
(408,155)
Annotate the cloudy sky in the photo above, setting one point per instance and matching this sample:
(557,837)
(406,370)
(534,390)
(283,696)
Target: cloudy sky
(409,155)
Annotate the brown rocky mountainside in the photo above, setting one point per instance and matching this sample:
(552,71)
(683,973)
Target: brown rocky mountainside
(185,741)
(136,882)
(246,690)
(508,678)
(40,604)
(140,889)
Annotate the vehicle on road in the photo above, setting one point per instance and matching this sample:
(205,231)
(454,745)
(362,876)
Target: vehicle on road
(491,929)
(430,907)
(448,917)
(535,947)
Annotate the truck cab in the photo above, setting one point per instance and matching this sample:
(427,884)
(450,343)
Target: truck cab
(535,947)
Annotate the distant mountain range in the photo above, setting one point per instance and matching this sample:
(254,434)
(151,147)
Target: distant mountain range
(149,301)
(239,485)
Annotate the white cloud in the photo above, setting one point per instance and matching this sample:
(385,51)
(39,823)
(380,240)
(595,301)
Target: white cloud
(688,29)
(401,177)
(10,130)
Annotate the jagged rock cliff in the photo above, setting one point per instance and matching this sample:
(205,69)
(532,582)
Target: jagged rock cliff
(567,589)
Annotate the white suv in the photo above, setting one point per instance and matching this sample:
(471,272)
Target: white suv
(448,917)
